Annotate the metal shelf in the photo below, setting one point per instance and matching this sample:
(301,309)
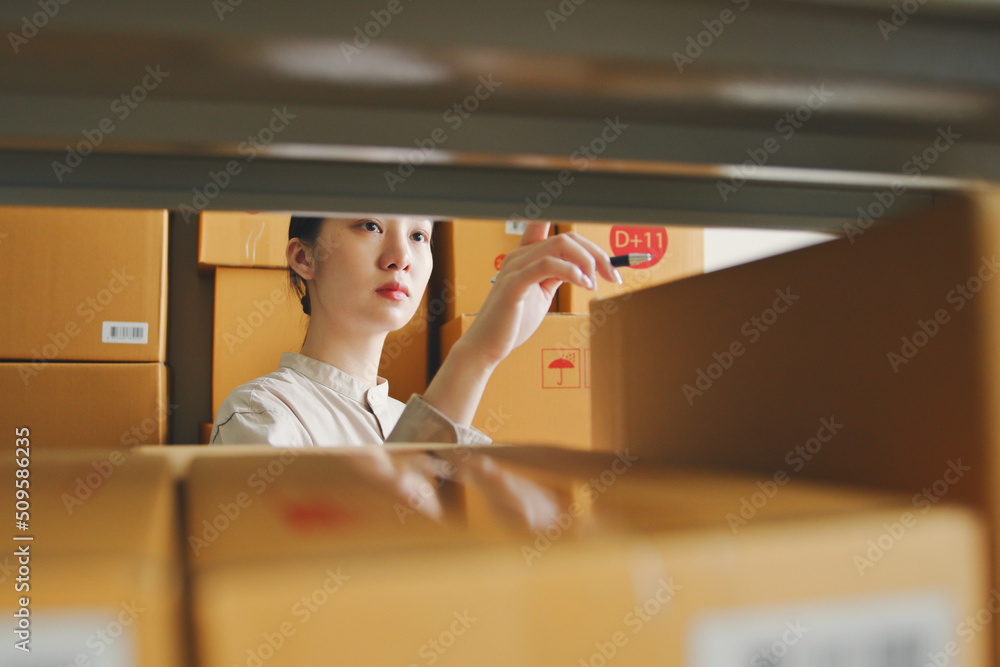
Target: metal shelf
(547,87)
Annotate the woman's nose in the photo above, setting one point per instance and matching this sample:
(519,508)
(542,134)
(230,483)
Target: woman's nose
(396,254)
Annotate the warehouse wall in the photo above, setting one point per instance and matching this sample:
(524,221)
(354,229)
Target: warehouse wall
(191,300)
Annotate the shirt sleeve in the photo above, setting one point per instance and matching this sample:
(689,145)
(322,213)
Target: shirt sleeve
(258,424)
(422,422)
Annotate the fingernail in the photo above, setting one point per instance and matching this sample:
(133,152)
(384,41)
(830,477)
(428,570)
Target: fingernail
(618,277)
(586,280)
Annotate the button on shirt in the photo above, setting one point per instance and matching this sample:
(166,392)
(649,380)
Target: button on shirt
(309,403)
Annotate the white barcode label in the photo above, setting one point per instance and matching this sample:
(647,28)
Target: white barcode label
(884,631)
(125,332)
(95,638)
(515,227)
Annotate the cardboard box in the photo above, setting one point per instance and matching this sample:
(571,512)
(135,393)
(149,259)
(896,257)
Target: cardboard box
(258,318)
(539,394)
(869,360)
(70,405)
(467,254)
(678,252)
(333,568)
(242,239)
(102,579)
(83,284)
(205,433)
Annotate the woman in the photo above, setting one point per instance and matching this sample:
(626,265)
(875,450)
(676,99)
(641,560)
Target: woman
(364,278)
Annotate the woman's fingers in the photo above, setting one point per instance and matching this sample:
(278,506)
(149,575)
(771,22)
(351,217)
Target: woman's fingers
(587,256)
(602,258)
(534,232)
(551,267)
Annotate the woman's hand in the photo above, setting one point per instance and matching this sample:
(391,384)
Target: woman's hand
(526,285)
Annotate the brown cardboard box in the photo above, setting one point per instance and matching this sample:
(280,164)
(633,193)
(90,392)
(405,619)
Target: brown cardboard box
(467,254)
(83,284)
(869,360)
(103,580)
(242,239)
(257,318)
(69,405)
(678,252)
(333,568)
(205,433)
(539,394)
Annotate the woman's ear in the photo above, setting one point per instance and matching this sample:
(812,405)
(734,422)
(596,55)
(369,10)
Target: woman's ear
(299,258)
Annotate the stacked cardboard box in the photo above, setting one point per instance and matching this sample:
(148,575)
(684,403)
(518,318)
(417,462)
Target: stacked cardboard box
(83,306)
(869,360)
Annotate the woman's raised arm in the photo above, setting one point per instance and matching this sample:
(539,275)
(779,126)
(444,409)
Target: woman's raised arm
(512,312)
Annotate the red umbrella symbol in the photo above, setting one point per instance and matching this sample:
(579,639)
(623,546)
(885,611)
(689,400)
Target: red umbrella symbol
(561,363)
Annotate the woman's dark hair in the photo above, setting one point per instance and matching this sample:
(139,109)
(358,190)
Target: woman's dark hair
(307,229)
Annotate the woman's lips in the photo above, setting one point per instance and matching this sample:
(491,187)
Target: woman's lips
(393,294)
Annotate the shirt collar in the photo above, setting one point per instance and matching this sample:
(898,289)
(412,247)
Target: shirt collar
(340,381)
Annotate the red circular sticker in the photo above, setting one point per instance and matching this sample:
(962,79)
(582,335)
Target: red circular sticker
(653,240)
(498,262)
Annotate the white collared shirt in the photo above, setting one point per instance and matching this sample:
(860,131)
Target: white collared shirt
(309,403)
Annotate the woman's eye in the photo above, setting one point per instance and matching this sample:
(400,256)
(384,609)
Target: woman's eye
(369,222)
(421,234)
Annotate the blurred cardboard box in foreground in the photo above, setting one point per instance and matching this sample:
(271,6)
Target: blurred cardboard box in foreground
(868,360)
(334,565)
(101,579)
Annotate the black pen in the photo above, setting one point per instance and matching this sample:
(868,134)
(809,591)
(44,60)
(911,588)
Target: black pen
(631,259)
(628,260)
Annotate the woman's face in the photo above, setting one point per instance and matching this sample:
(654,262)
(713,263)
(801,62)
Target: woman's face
(357,257)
